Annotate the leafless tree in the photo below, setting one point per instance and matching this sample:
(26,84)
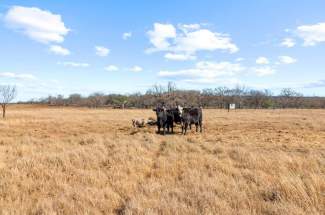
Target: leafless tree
(221,94)
(171,87)
(96,100)
(171,94)
(157,90)
(7,94)
(259,99)
(74,99)
(239,93)
(290,98)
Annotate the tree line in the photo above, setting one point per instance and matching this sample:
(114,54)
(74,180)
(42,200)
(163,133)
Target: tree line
(170,95)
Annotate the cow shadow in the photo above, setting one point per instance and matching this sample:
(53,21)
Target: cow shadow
(166,134)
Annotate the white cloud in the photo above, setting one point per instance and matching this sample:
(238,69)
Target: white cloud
(189,27)
(179,57)
(18,76)
(287,60)
(189,40)
(136,69)
(204,40)
(111,68)
(264,71)
(39,25)
(315,84)
(240,59)
(205,70)
(262,60)
(160,34)
(59,50)
(102,51)
(312,34)
(74,64)
(288,42)
(126,35)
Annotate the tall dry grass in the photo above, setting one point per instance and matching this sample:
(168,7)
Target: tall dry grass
(81,161)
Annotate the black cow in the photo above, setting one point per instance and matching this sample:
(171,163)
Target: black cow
(191,116)
(165,119)
(177,114)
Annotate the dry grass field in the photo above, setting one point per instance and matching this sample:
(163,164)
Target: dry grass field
(83,161)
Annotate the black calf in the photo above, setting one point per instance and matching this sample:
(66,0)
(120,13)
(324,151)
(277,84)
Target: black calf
(191,116)
(165,119)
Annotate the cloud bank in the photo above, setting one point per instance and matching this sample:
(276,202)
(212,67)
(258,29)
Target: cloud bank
(183,42)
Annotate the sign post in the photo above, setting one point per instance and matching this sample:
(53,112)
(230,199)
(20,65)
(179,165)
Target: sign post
(231,106)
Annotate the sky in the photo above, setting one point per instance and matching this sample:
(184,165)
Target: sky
(64,47)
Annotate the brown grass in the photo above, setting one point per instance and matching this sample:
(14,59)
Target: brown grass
(82,161)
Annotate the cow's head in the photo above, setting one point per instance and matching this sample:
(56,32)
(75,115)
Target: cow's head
(160,110)
(180,110)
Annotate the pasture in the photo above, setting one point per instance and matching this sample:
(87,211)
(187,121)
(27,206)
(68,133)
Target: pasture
(92,161)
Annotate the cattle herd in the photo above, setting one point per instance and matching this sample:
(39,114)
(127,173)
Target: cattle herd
(186,117)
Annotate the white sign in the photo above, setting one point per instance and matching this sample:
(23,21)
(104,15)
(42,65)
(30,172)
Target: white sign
(232,106)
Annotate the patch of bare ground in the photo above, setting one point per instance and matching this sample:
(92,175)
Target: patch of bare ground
(83,161)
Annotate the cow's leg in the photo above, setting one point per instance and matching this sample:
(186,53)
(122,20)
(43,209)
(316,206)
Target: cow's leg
(185,128)
(164,129)
(158,128)
(201,127)
(197,127)
(172,127)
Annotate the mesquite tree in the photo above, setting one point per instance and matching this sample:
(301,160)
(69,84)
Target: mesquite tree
(7,94)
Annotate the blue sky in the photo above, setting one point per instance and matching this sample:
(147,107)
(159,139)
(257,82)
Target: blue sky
(64,47)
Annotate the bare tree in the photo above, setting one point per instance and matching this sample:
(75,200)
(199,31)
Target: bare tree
(170,94)
(7,94)
(96,100)
(239,93)
(171,87)
(290,98)
(221,95)
(74,99)
(257,98)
